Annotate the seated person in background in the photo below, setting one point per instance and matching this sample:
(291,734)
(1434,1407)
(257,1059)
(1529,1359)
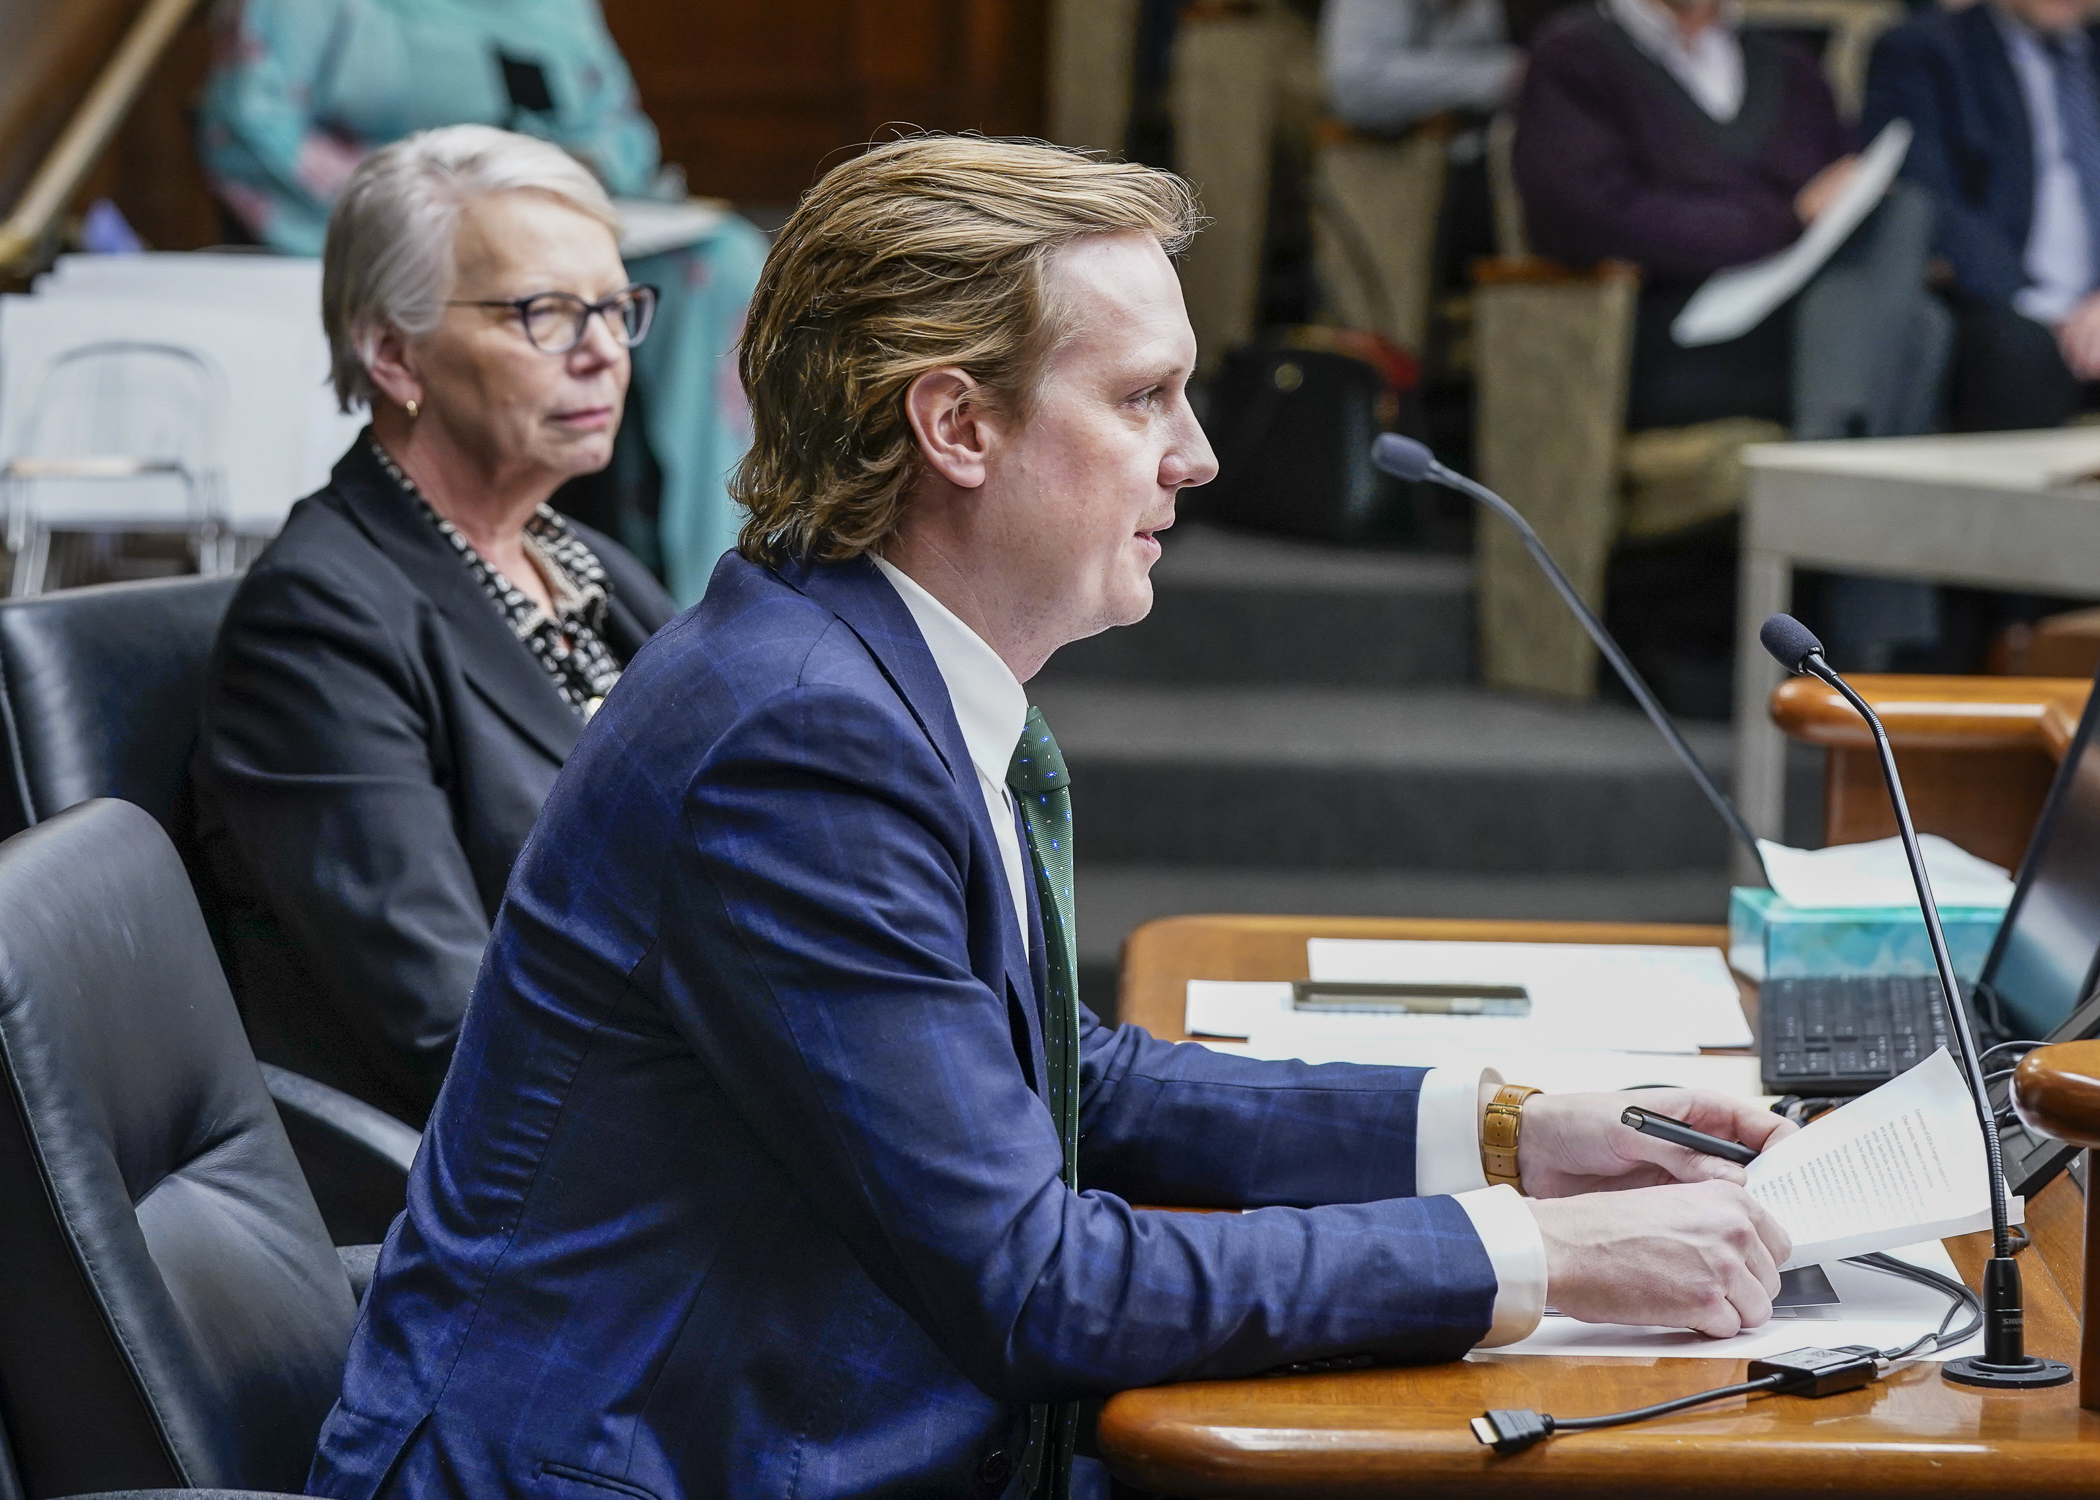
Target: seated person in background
(780,1156)
(1658,132)
(405,668)
(2006,104)
(1390,64)
(300,90)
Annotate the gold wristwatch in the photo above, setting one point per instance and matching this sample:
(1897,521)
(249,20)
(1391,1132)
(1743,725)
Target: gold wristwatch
(1501,1127)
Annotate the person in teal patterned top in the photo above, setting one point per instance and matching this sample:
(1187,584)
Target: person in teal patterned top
(301,90)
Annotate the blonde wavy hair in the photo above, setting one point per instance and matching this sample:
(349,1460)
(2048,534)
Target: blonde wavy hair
(925,252)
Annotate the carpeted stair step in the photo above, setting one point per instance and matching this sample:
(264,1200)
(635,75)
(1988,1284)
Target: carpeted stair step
(1433,779)
(1234,608)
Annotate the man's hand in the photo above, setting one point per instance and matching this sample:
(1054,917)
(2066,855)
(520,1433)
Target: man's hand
(1702,1255)
(2078,338)
(1823,188)
(1574,1143)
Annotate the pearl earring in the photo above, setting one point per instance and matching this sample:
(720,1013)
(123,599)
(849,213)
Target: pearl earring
(414,410)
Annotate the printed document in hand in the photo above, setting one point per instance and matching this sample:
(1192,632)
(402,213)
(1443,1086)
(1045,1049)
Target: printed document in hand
(1902,1164)
(1592,995)
(1734,301)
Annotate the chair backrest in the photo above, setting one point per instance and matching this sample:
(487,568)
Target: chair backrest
(99,695)
(159,405)
(1846,29)
(173,1313)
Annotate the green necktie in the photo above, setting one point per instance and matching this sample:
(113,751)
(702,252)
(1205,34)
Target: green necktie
(1043,789)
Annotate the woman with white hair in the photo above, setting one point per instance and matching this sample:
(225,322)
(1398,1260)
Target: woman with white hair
(406,667)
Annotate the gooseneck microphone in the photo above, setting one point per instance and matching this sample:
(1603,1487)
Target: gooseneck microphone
(2004,1361)
(1404,458)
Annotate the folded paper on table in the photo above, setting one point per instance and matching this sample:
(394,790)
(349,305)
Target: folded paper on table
(1732,302)
(1875,1309)
(1902,1164)
(1877,874)
(1631,998)
(1223,1012)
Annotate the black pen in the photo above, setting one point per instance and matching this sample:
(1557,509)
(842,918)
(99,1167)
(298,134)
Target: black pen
(1677,1133)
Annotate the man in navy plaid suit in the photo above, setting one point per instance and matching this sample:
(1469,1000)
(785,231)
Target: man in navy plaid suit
(777,1157)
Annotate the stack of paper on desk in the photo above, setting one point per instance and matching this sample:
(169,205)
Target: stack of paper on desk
(1630,999)
(1260,1012)
(1902,1164)
(1878,1310)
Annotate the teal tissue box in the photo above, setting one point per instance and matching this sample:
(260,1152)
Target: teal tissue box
(1769,939)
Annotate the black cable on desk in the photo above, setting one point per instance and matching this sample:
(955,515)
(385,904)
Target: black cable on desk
(1805,1372)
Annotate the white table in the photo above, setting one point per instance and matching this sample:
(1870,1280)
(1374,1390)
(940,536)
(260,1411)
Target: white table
(1995,510)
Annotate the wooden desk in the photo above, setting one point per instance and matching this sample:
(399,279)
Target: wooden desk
(1403,1431)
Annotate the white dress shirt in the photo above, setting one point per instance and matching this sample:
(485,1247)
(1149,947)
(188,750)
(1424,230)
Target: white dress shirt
(991,708)
(1710,65)
(2059,259)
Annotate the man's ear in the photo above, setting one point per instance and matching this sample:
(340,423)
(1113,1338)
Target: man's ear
(946,409)
(392,367)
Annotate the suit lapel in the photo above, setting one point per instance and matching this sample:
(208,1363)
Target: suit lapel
(861,597)
(494,661)
(2007,100)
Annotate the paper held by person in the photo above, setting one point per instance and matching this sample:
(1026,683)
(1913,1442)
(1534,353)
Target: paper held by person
(1732,302)
(1902,1164)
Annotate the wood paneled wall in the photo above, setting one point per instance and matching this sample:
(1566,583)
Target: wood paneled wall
(50,51)
(50,54)
(757,97)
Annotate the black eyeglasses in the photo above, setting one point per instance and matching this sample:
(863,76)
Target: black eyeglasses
(555,321)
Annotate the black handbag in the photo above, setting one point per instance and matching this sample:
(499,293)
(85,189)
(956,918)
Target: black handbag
(1292,424)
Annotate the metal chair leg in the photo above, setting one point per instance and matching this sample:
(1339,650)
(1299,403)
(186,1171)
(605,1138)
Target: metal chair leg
(33,562)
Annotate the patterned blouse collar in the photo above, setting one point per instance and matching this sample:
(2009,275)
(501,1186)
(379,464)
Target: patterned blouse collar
(569,644)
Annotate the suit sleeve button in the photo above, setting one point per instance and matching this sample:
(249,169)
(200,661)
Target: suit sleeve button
(997,1468)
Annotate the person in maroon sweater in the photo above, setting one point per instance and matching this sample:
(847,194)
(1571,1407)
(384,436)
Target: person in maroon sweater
(1658,132)
(1661,134)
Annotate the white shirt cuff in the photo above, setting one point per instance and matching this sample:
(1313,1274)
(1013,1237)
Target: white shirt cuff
(1447,1132)
(2048,306)
(1517,1251)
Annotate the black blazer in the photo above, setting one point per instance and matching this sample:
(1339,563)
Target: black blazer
(376,745)
(1948,73)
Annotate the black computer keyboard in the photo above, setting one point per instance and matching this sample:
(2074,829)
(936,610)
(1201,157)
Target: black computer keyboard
(1846,1035)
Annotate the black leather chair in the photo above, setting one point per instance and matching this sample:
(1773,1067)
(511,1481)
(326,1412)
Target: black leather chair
(99,695)
(172,1314)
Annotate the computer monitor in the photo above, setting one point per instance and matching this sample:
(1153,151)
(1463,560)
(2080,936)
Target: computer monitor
(2043,961)
(2038,982)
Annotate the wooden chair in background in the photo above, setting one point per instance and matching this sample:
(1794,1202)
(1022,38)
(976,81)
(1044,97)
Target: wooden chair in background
(1977,754)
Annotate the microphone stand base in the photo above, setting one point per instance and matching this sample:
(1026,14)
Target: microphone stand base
(2029,1373)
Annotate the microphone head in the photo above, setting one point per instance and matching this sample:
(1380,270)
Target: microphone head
(1402,457)
(1790,642)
